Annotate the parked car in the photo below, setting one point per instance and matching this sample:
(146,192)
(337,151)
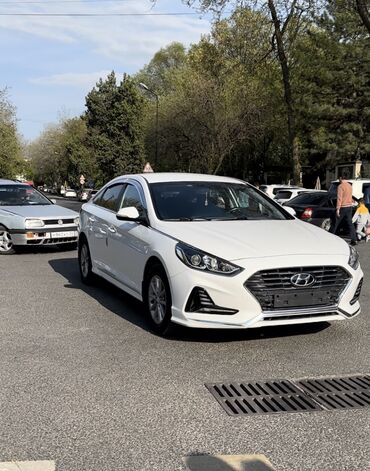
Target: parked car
(213,252)
(282,196)
(271,190)
(86,194)
(29,218)
(316,207)
(359,186)
(70,193)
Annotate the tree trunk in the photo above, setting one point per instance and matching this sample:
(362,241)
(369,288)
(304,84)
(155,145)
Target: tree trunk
(364,13)
(293,148)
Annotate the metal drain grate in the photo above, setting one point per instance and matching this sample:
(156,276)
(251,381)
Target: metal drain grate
(279,396)
(339,393)
(261,398)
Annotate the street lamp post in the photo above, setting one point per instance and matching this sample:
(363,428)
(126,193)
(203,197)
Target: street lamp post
(152,92)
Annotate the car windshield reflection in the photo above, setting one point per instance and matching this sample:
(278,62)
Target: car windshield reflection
(211,201)
(22,195)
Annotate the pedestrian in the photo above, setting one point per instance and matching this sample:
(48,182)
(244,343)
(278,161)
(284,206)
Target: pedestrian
(361,219)
(344,209)
(367,196)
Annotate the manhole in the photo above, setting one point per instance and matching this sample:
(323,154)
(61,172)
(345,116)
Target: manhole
(281,396)
(261,398)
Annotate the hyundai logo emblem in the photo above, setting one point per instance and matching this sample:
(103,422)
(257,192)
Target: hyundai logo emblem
(302,279)
(60,222)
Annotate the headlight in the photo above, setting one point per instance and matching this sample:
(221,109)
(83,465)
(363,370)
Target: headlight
(32,223)
(200,260)
(76,221)
(354,258)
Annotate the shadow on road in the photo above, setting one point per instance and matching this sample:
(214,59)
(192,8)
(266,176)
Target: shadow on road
(214,463)
(128,308)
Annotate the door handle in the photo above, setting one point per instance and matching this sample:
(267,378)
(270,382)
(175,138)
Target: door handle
(102,231)
(112,229)
(91,219)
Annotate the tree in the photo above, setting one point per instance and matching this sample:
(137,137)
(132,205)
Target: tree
(114,119)
(11,162)
(287,18)
(332,84)
(61,154)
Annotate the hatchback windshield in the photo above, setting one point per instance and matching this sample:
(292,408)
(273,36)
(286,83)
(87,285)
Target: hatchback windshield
(189,201)
(21,195)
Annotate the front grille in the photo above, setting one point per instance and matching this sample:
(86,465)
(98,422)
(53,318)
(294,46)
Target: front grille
(54,222)
(274,290)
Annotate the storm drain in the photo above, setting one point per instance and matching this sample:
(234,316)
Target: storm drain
(282,396)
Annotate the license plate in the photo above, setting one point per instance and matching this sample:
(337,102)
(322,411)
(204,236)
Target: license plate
(301,299)
(59,235)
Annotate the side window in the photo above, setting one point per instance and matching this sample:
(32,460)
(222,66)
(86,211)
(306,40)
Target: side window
(111,197)
(131,197)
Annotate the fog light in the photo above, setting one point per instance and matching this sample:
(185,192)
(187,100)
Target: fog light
(30,235)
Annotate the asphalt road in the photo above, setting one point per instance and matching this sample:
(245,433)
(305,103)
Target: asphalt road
(85,384)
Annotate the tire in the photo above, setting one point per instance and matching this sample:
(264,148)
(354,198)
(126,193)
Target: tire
(6,244)
(84,262)
(158,300)
(326,224)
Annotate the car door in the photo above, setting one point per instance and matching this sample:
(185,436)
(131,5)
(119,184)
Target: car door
(99,220)
(129,241)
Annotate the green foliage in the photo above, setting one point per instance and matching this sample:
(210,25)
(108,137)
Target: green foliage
(10,147)
(114,127)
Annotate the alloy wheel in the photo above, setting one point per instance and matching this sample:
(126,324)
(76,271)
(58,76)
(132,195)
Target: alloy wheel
(6,244)
(84,261)
(157,299)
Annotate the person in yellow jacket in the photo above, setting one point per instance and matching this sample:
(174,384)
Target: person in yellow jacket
(361,219)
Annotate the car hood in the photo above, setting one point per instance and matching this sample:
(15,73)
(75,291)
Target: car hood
(40,211)
(235,240)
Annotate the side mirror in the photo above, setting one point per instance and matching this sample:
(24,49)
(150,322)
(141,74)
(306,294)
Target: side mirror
(290,210)
(128,214)
(53,201)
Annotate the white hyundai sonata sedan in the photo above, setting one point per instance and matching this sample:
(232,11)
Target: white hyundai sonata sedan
(214,252)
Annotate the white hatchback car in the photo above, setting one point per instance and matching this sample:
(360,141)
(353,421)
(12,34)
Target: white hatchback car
(199,251)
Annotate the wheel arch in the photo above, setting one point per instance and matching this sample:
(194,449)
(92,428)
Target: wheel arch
(152,262)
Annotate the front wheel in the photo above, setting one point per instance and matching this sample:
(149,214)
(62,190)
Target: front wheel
(158,301)
(6,243)
(84,261)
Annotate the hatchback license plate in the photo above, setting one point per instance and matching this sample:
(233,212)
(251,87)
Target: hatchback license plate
(58,235)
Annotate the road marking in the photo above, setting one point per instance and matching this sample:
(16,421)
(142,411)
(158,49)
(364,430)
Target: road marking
(28,466)
(228,463)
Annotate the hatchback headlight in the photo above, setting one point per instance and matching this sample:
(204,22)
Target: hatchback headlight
(199,260)
(354,258)
(76,221)
(33,223)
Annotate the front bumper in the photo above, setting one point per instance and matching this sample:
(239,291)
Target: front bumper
(50,236)
(230,292)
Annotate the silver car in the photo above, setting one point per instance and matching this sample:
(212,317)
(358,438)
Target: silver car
(29,218)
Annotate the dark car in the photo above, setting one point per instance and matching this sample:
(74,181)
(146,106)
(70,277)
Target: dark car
(317,208)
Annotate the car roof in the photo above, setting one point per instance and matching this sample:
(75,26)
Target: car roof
(166,177)
(4,181)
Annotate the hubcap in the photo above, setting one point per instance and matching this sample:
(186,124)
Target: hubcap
(326,225)
(6,243)
(84,261)
(157,299)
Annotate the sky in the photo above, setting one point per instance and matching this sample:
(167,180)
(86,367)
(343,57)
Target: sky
(49,64)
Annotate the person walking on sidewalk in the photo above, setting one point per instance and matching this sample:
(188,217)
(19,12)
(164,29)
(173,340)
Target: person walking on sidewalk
(344,209)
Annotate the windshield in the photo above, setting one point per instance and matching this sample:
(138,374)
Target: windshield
(21,195)
(189,201)
(309,198)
